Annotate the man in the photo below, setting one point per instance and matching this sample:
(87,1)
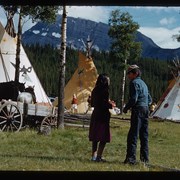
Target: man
(139,101)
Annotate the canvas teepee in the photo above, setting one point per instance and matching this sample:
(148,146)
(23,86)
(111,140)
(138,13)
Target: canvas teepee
(7,66)
(81,84)
(168,107)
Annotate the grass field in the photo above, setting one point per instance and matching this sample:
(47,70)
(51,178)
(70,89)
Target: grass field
(68,150)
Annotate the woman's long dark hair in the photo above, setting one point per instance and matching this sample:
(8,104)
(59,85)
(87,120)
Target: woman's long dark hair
(102,81)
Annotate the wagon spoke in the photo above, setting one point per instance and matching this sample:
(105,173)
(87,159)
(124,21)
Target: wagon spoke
(2,122)
(17,115)
(3,128)
(12,112)
(4,113)
(13,126)
(11,117)
(10,109)
(2,117)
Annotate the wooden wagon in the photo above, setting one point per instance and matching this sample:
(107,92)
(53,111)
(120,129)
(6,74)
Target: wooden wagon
(15,116)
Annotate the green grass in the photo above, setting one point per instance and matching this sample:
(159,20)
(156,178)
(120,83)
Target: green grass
(69,149)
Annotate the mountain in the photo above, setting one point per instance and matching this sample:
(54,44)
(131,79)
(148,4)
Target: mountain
(78,30)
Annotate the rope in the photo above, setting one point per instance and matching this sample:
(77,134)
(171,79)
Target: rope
(4,67)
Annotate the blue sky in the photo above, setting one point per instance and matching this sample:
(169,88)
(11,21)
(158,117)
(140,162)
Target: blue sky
(158,23)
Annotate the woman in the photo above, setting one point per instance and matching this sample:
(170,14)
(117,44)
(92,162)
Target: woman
(99,130)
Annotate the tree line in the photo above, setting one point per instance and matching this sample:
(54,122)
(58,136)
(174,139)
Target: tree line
(44,59)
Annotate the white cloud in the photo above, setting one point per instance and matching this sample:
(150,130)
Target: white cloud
(162,36)
(94,13)
(157,8)
(167,21)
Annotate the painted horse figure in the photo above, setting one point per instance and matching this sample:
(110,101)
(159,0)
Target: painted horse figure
(10,90)
(28,96)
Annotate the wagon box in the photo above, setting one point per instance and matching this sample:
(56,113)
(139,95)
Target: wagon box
(35,109)
(14,115)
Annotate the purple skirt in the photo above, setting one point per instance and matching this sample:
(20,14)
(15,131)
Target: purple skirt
(99,129)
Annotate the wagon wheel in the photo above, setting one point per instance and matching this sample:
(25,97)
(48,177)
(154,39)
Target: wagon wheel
(48,123)
(10,117)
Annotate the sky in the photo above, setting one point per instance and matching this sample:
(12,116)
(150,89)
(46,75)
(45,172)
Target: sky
(158,23)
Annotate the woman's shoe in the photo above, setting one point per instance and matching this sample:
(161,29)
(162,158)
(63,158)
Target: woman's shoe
(93,158)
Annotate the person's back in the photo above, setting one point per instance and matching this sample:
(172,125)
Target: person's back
(100,99)
(99,130)
(139,101)
(142,91)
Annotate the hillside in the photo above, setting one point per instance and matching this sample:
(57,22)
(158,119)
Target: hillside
(79,29)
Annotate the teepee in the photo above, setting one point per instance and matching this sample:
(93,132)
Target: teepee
(168,107)
(7,66)
(81,84)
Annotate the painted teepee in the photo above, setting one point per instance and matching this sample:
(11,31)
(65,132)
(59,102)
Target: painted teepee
(7,66)
(81,84)
(168,107)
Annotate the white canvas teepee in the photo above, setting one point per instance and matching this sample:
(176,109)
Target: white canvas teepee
(168,107)
(81,84)
(7,66)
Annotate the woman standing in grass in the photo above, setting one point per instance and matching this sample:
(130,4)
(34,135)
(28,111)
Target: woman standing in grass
(99,130)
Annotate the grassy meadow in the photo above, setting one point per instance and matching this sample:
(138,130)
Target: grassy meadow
(68,149)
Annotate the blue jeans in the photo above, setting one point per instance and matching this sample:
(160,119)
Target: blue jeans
(138,127)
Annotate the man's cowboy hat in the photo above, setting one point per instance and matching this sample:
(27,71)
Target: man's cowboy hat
(131,67)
